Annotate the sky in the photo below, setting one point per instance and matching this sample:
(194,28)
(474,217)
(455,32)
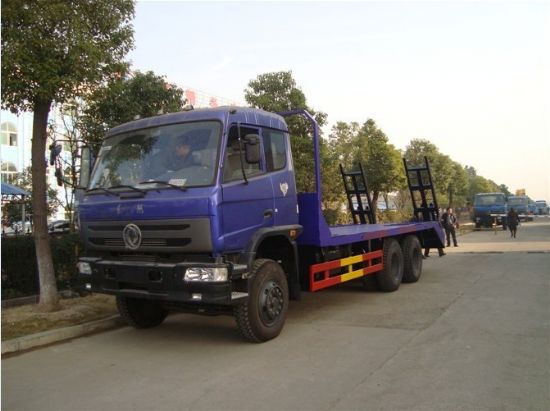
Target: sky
(471,77)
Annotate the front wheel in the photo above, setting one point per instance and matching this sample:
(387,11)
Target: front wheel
(263,315)
(141,313)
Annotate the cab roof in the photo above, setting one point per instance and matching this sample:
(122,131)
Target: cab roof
(226,114)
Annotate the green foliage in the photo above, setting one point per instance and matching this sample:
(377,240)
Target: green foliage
(19,269)
(53,49)
(480,184)
(124,98)
(381,161)
(505,190)
(441,166)
(342,143)
(458,187)
(368,145)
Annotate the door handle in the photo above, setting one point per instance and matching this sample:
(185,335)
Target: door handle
(268,213)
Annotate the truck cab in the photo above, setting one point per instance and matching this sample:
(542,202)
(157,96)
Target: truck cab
(542,207)
(521,205)
(489,209)
(154,231)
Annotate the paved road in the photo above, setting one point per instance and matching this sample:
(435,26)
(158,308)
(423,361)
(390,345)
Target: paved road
(472,334)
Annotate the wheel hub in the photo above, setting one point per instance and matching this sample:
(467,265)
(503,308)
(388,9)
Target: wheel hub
(271,303)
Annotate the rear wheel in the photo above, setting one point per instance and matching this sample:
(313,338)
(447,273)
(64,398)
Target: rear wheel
(391,276)
(141,313)
(412,259)
(263,315)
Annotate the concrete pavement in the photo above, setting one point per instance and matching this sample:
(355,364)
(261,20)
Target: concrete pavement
(472,334)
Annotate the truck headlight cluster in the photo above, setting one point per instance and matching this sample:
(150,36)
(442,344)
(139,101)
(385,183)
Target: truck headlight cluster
(212,274)
(84,268)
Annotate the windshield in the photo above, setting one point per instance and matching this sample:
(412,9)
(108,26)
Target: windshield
(514,201)
(491,199)
(181,155)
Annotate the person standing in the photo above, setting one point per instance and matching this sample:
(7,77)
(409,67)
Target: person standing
(449,222)
(513,219)
(432,216)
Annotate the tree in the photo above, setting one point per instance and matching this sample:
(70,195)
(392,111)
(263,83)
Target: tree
(441,166)
(480,184)
(277,92)
(457,190)
(381,161)
(124,98)
(53,50)
(342,142)
(504,188)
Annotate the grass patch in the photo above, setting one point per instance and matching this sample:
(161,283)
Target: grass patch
(26,320)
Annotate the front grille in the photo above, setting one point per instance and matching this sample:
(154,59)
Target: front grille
(189,235)
(164,227)
(149,242)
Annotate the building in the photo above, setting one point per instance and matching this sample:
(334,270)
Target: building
(15,152)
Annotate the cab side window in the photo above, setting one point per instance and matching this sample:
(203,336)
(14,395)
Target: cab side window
(275,149)
(232,163)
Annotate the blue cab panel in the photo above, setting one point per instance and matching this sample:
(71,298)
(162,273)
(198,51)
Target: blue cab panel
(236,206)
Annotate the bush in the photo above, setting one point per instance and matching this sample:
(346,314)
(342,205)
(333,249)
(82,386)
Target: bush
(19,268)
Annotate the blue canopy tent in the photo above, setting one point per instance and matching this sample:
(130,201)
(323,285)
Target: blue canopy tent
(12,193)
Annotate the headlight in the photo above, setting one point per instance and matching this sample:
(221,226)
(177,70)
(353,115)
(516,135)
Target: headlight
(84,268)
(215,274)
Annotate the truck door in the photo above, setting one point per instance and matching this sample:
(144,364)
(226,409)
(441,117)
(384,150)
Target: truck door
(279,166)
(246,207)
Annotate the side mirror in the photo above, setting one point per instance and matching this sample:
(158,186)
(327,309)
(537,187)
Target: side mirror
(252,148)
(86,164)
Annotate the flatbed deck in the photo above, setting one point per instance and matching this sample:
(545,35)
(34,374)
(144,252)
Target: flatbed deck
(318,233)
(346,234)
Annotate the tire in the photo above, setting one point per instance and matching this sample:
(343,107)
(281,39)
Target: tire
(263,315)
(478,226)
(412,259)
(141,313)
(391,276)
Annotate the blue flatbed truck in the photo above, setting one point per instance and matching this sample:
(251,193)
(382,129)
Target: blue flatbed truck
(521,205)
(490,209)
(229,234)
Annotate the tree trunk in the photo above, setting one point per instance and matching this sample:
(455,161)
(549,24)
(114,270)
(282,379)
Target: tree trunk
(49,298)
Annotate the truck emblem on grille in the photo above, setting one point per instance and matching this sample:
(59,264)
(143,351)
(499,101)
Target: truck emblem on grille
(131,236)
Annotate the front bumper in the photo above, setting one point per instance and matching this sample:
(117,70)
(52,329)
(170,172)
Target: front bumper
(160,281)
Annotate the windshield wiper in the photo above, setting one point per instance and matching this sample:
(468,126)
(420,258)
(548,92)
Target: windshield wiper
(166,183)
(101,189)
(139,190)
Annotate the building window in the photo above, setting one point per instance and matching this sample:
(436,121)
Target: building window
(9,172)
(8,134)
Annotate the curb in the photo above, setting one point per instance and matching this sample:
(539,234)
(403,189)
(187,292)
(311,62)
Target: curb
(52,336)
